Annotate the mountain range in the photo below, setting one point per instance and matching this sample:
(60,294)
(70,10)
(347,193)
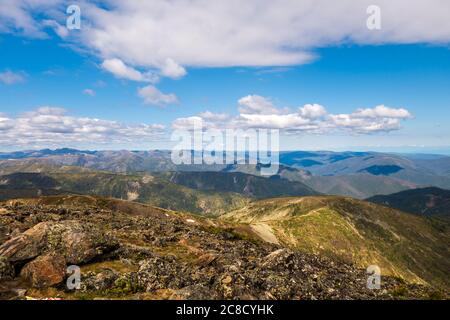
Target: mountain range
(314,204)
(356,174)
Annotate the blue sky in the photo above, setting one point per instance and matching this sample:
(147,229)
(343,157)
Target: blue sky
(342,77)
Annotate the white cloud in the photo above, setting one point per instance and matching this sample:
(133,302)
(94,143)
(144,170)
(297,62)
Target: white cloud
(212,116)
(172,69)
(17,16)
(256,33)
(171,35)
(9,77)
(312,111)
(122,71)
(152,95)
(49,126)
(185,123)
(59,29)
(119,69)
(276,121)
(89,92)
(259,112)
(5,124)
(254,104)
(382,111)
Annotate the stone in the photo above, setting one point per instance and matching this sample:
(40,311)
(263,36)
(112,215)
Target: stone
(20,292)
(78,242)
(161,273)
(45,271)
(27,245)
(6,269)
(227,280)
(194,292)
(100,281)
(279,258)
(206,259)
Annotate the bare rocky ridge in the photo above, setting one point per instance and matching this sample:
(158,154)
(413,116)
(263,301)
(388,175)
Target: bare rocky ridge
(128,250)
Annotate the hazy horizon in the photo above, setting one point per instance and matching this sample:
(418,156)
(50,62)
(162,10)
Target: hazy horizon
(405,150)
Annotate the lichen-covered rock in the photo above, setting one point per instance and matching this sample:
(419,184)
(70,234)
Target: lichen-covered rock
(6,269)
(157,273)
(78,242)
(27,245)
(194,292)
(281,258)
(45,271)
(4,231)
(99,282)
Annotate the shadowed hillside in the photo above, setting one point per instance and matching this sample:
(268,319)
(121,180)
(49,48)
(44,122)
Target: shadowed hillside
(249,185)
(141,188)
(425,201)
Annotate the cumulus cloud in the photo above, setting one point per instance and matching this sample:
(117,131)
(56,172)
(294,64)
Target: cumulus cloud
(256,33)
(275,121)
(254,104)
(189,122)
(258,112)
(50,126)
(364,125)
(313,111)
(122,71)
(216,117)
(382,111)
(152,95)
(169,69)
(172,69)
(171,35)
(10,77)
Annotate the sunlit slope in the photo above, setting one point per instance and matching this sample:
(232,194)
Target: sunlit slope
(404,245)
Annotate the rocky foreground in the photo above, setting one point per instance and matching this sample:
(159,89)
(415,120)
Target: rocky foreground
(127,250)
